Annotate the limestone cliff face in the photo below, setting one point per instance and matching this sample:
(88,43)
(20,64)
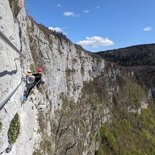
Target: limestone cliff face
(11,71)
(82,91)
(66,68)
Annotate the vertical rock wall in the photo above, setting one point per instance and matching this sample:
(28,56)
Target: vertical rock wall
(66,68)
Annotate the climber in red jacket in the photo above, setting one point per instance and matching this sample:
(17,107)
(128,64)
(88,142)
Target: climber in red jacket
(32,80)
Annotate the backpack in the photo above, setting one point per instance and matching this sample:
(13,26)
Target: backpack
(30,79)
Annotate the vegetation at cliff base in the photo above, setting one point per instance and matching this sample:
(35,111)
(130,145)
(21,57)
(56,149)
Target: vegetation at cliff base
(133,134)
(127,132)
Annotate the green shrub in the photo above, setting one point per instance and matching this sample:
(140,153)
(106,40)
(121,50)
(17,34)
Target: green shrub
(14,128)
(135,93)
(0,126)
(108,137)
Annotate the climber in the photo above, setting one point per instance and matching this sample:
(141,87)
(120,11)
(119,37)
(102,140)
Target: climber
(38,77)
(32,80)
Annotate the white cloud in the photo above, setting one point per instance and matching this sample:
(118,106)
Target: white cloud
(57,29)
(59,5)
(86,11)
(147,28)
(69,13)
(95,42)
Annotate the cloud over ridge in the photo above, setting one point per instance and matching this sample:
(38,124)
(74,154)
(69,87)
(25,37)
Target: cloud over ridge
(95,42)
(57,29)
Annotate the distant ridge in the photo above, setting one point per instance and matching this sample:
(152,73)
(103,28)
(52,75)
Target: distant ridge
(131,56)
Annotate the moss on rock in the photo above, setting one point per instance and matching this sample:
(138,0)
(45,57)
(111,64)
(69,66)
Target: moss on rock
(14,129)
(1,125)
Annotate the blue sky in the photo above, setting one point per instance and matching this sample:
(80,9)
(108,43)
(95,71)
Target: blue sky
(98,25)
